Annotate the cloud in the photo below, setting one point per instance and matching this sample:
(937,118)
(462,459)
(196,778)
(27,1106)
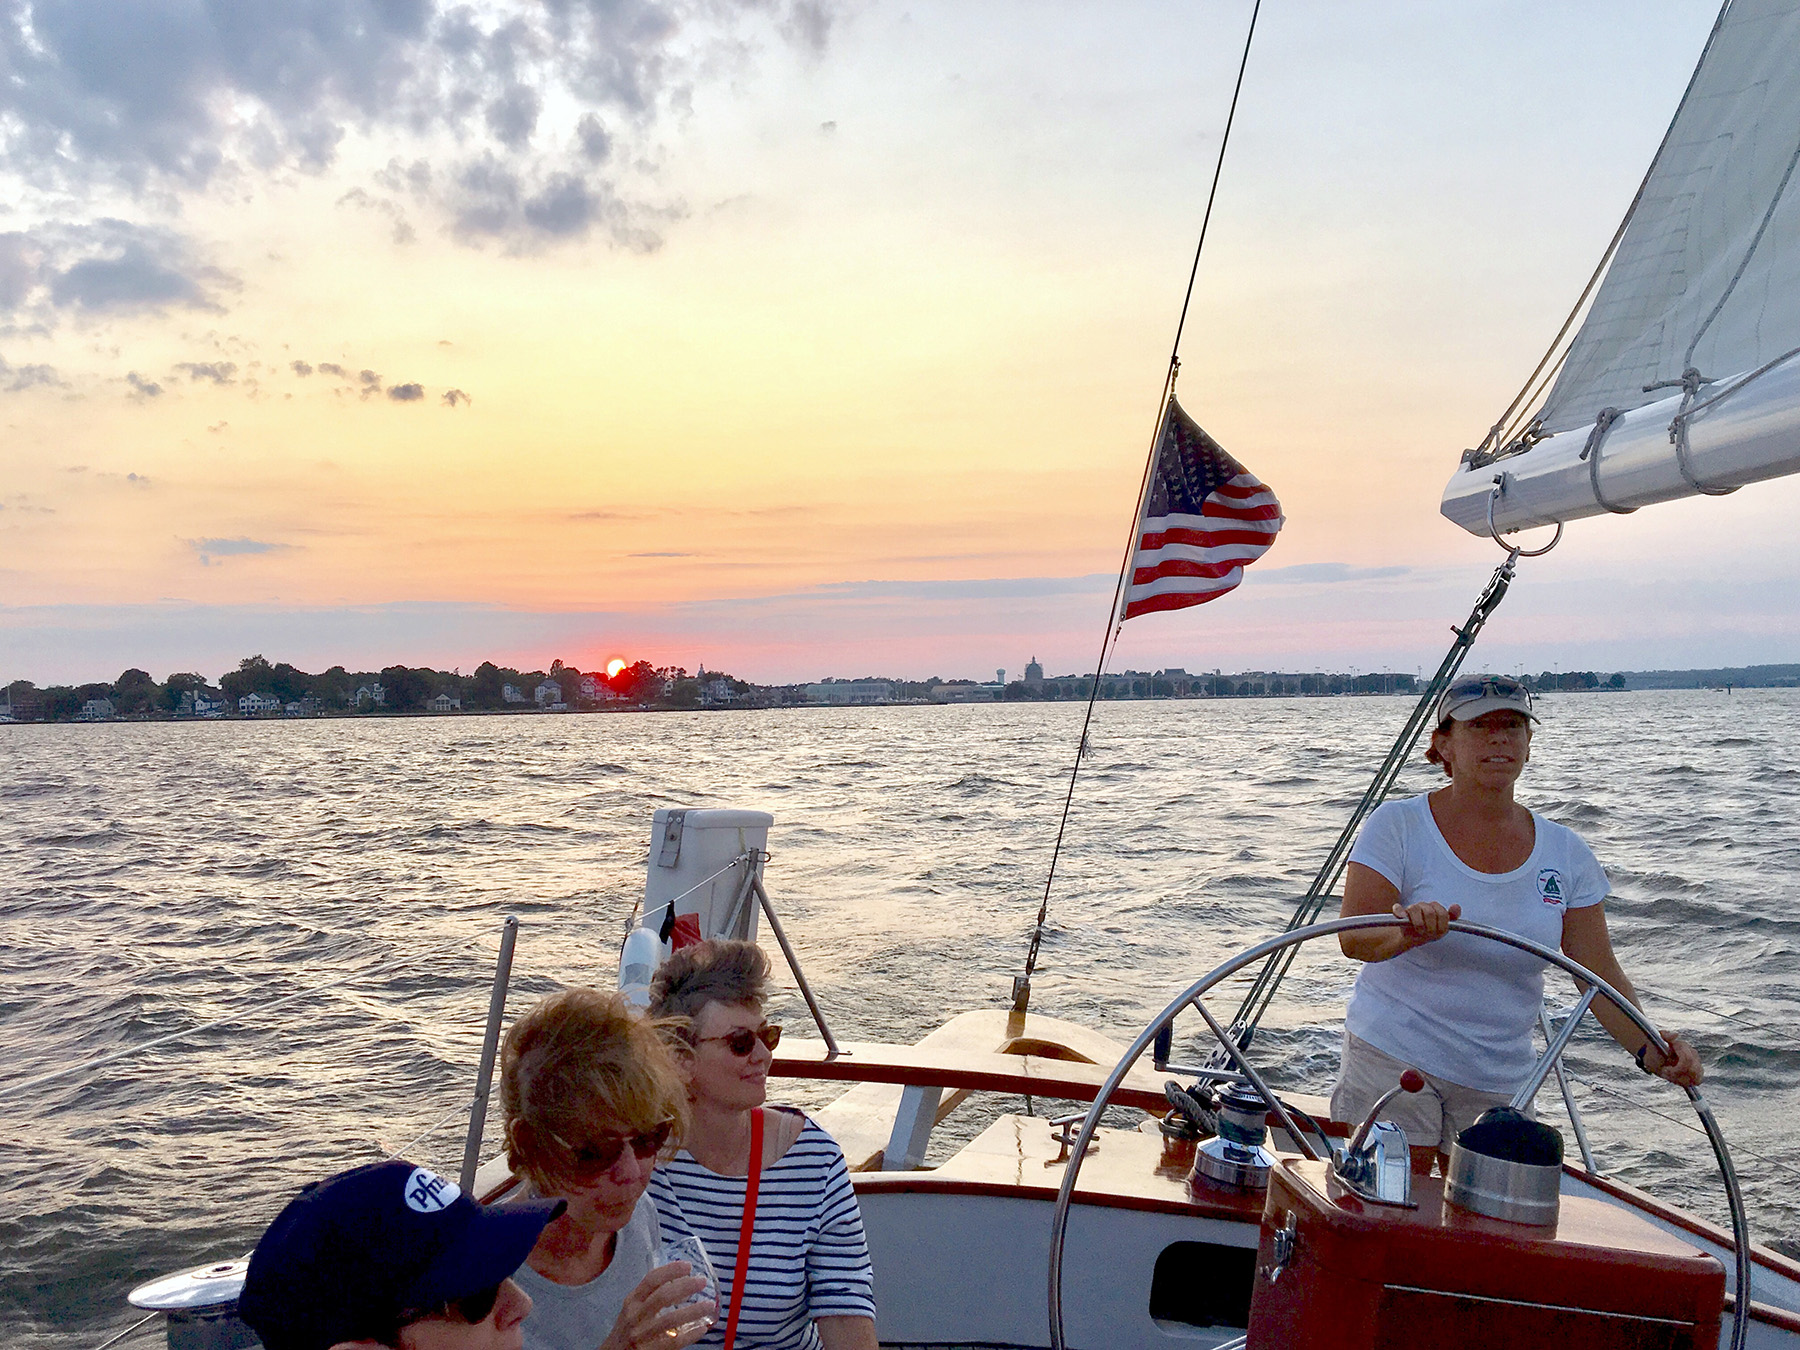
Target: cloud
(209,549)
(401,230)
(105,267)
(662,555)
(528,107)
(216,372)
(452,397)
(142,388)
(17,379)
(1327,573)
(406,393)
(300,368)
(333,368)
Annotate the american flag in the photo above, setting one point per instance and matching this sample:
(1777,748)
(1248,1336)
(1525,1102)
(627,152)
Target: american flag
(1205,517)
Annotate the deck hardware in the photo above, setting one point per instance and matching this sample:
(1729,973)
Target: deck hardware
(1282,1244)
(1062,1130)
(1194,994)
(490,1045)
(757,858)
(200,1306)
(1376,1164)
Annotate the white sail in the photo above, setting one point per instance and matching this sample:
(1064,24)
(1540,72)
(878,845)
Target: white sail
(1706,279)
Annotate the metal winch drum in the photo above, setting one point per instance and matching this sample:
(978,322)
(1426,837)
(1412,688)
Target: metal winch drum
(1236,1157)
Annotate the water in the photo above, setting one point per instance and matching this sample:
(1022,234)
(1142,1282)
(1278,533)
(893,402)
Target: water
(155,877)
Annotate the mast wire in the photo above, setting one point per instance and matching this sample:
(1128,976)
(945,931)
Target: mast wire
(1509,424)
(1115,617)
(1262,989)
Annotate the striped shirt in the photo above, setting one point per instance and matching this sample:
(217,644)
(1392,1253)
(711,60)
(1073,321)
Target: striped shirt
(808,1256)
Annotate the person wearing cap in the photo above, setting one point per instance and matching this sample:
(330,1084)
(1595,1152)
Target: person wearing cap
(593,1099)
(1458,1008)
(391,1254)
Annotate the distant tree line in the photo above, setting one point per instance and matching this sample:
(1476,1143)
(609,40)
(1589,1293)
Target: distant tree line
(404,689)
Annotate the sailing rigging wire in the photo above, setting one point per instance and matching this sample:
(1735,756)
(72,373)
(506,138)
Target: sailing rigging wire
(1628,1100)
(1509,424)
(1115,617)
(1262,990)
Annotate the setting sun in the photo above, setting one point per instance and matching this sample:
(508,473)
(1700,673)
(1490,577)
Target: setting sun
(614,666)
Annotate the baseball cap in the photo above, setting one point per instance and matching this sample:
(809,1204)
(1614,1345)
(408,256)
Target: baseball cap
(353,1253)
(1470,696)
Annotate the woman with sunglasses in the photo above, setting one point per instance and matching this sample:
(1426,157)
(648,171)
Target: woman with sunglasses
(592,1098)
(1459,1009)
(808,1283)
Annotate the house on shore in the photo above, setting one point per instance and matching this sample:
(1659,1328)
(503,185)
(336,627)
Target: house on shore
(445,703)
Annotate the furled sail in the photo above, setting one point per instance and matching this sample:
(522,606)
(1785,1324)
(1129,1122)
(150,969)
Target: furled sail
(1685,375)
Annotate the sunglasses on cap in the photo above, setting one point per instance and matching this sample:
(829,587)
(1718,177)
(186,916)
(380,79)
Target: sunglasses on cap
(602,1155)
(1482,686)
(473,1308)
(742,1041)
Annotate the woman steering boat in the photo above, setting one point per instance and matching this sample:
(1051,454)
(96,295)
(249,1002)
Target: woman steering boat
(1457,1009)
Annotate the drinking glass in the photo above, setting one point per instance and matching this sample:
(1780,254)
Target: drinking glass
(689,1248)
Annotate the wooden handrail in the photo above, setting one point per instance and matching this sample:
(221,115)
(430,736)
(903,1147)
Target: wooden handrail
(967,1070)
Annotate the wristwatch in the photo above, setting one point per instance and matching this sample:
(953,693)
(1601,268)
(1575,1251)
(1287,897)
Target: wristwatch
(1643,1050)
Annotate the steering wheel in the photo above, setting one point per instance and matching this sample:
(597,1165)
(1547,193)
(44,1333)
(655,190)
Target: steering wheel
(1190,997)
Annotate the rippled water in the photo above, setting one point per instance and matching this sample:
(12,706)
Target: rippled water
(155,877)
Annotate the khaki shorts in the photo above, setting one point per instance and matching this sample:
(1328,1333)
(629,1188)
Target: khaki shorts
(1432,1116)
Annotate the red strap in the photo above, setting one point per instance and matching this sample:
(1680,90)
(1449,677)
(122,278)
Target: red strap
(748,1228)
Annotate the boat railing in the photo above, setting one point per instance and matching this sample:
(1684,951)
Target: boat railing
(474,1106)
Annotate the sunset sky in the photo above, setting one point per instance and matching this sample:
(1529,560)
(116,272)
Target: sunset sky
(801,339)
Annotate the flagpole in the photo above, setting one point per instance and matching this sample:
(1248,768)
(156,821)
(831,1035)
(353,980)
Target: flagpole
(1109,635)
(1021,991)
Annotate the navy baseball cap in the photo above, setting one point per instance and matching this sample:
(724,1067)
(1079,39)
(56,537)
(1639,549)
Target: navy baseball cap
(353,1253)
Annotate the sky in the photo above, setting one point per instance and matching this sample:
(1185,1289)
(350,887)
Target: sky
(797,339)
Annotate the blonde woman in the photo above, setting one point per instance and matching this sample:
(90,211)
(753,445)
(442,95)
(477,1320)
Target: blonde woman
(592,1099)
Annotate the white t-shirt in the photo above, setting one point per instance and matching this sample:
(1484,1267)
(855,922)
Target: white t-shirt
(1463,1007)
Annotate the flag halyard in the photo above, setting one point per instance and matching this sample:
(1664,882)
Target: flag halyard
(1205,517)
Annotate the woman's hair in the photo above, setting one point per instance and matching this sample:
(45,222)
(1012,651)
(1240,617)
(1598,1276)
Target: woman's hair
(579,1064)
(1431,750)
(716,971)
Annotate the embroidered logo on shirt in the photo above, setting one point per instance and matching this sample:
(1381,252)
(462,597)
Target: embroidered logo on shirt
(1550,886)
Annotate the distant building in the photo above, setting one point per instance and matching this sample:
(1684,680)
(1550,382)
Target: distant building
(847,692)
(549,694)
(96,710)
(1034,673)
(371,696)
(511,693)
(444,703)
(722,691)
(966,691)
(200,703)
(255,705)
